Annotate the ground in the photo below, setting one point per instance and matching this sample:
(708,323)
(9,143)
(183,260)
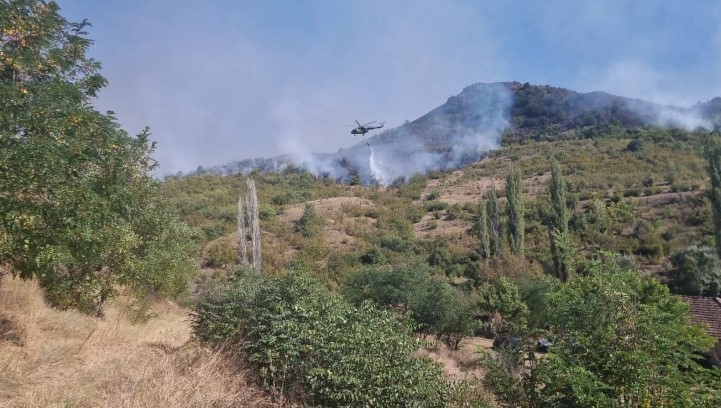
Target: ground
(52,358)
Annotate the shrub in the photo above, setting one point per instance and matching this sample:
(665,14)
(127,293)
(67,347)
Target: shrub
(219,254)
(639,351)
(312,344)
(310,223)
(433,195)
(374,256)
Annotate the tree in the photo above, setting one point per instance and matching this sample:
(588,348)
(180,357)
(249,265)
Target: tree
(494,222)
(310,223)
(696,271)
(79,209)
(504,300)
(482,229)
(558,225)
(713,155)
(248,213)
(516,225)
(242,241)
(620,340)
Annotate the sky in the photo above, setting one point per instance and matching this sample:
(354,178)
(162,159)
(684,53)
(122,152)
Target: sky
(219,81)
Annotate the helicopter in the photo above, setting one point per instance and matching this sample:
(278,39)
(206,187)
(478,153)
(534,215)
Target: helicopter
(363,129)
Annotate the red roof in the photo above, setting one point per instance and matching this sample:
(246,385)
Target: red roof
(706,311)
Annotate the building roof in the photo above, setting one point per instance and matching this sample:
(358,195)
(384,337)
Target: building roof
(706,311)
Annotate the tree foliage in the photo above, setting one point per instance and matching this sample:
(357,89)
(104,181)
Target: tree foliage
(310,223)
(516,211)
(558,224)
(713,156)
(78,208)
(503,300)
(435,306)
(696,271)
(494,222)
(619,341)
(481,229)
(314,345)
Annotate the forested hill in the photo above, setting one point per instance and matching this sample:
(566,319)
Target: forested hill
(481,117)
(546,112)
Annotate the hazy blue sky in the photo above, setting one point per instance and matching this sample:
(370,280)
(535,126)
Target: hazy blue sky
(219,81)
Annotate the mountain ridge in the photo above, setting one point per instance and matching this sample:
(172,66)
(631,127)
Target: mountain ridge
(475,121)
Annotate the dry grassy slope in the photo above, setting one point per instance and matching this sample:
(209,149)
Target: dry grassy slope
(597,169)
(51,358)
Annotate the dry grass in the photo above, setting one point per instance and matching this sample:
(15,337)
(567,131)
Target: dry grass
(461,364)
(66,359)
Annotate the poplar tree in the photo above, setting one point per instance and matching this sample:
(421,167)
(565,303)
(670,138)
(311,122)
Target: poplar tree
(558,225)
(494,222)
(515,210)
(482,228)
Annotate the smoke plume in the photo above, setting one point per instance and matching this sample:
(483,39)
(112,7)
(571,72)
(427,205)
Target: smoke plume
(459,132)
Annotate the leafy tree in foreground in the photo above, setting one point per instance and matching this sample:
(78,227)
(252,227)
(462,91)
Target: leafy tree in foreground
(314,345)
(620,341)
(78,208)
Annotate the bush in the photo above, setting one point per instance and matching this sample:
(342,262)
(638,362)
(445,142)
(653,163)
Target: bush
(395,243)
(310,223)
(638,331)
(433,195)
(434,305)
(219,254)
(315,346)
(374,256)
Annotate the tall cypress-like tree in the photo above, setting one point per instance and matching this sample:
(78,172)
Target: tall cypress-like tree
(558,224)
(494,222)
(713,155)
(482,227)
(516,225)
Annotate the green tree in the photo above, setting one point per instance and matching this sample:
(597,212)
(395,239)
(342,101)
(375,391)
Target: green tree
(558,225)
(713,155)
(503,300)
(494,222)
(516,210)
(78,207)
(619,341)
(482,230)
(310,223)
(311,343)
(696,271)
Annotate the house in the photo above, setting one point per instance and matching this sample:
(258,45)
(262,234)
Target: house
(706,311)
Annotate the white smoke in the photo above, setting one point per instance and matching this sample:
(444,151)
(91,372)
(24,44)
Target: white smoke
(379,174)
(460,132)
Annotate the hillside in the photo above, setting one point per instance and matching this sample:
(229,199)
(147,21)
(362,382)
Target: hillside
(635,187)
(64,358)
